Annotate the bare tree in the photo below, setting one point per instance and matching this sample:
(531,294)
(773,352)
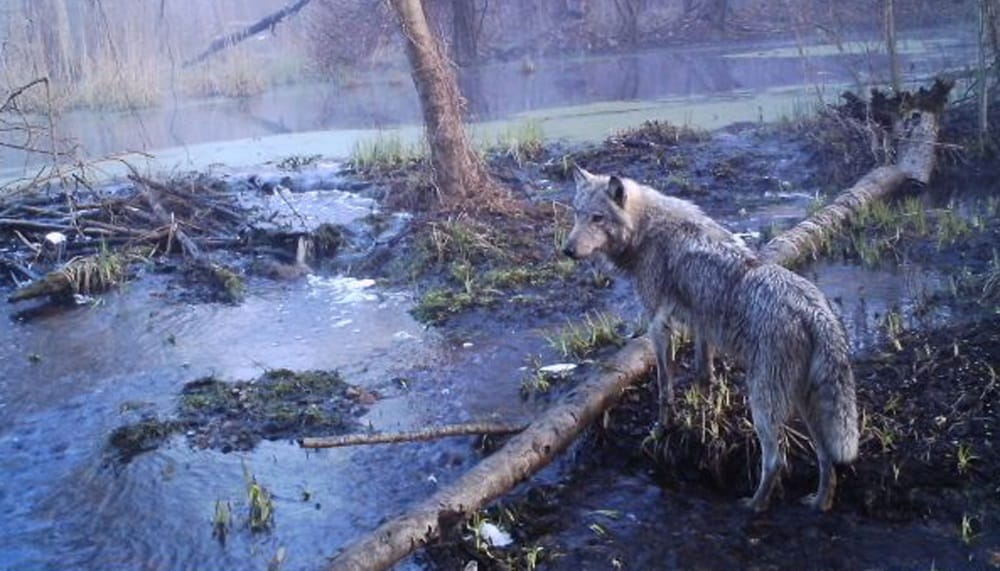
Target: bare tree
(459,172)
(890,44)
(712,12)
(628,12)
(466,20)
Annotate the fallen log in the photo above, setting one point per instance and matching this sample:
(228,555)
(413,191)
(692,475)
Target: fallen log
(916,130)
(522,456)
(87,275)
(433,433)
(535,447)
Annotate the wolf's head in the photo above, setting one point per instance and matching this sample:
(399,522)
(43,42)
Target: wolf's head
(601,221)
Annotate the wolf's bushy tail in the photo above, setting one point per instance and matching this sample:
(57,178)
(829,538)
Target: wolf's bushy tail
(833,407)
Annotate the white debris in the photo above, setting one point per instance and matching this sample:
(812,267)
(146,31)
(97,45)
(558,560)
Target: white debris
(558,369)
(467,344)
(494,535)
(55,238)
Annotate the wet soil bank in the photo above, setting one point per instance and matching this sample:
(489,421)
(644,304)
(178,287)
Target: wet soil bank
(923,493)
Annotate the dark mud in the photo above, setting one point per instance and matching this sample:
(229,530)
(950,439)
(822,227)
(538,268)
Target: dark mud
(925,479)
(230,416)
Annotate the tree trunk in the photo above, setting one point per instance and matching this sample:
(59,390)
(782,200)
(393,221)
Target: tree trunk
(890,45)
(983,75)
(628,13)
(464,32)
(459,172)
(533,449)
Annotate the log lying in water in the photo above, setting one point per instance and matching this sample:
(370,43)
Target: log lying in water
(535,447)
(916,132)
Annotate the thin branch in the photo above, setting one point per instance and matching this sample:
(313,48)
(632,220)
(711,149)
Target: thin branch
(232,39)
(433,433)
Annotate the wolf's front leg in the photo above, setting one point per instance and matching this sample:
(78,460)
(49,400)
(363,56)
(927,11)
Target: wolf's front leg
(660,334)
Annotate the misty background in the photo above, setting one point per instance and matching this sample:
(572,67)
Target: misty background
(122,75)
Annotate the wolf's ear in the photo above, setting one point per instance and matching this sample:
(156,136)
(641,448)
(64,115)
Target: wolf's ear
(616,190)
(581,176)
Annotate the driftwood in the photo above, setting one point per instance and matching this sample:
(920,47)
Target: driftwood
(225,280)
(152,191)
(102,230)
(535,447)
(471,429)
(259,26)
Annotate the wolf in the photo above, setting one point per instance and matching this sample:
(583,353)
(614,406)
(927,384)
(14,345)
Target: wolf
(687,267)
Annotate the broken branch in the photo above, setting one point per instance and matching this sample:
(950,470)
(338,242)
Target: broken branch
(434,433)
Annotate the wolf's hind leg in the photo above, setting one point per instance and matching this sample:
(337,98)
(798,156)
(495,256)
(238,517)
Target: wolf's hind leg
(769,407)
(822,500)
(704,361)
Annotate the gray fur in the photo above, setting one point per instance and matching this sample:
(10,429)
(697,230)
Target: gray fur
(778,324)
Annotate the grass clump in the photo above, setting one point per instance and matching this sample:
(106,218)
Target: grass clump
(237,415)
(386,151)
(660,133)
(260,503)
(97,273)
(580,339)
(521,142)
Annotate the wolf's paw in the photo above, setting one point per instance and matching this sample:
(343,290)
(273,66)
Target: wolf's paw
(818,503)
(658,431)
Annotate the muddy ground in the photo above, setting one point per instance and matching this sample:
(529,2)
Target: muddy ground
(924,493)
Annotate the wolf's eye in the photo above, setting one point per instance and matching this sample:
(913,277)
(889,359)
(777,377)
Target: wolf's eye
(597,218)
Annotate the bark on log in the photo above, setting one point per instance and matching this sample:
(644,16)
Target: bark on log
(255,28)
(433,433)
(53,283)
(535,447)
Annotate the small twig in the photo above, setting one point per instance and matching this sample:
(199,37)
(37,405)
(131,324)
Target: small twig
(17,92)
(34,225)
(412,436)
